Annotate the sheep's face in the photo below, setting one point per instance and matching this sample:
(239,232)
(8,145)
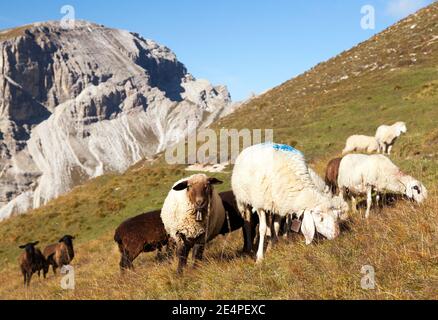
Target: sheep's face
(68,240)
(199,190)
(401,127)
(29,247)
(416,191)
(326,223)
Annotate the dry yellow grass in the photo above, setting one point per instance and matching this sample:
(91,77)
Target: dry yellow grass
(401,243)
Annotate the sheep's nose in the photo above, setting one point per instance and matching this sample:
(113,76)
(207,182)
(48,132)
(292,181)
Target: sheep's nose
(199,202)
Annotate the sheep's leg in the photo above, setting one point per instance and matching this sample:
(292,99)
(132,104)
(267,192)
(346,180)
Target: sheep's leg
(125,261)
(378,201)
(369,202)
(170,248)
(287,225)
(389,149)
(275,229)
(29,276)
(247,231)
(198,252)
(262,234)
(24,277)
(183,252)
(354,204)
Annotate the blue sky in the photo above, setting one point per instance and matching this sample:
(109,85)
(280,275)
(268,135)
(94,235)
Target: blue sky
(248,45)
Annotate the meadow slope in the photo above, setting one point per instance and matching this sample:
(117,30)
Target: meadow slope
(400,242)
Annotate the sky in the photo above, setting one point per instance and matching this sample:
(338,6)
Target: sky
(248,45)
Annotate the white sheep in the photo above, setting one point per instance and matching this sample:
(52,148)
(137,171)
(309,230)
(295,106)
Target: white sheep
(361,174)
(193,214)
(274,180)
(361,143)
(387,135)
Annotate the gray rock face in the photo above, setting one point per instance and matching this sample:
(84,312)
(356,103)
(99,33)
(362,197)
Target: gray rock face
(76,103)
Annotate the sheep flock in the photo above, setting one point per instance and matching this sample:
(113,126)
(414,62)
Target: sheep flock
(274,193)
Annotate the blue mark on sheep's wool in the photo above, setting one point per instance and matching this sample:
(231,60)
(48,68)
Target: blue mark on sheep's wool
(286,148)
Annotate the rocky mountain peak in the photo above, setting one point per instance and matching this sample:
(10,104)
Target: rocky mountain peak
(75,103)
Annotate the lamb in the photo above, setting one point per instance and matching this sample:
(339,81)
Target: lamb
(31,261)
(361,143)
(361,174)
(142,233)
(193,214)
(274,180)
(61,253)
(387,135)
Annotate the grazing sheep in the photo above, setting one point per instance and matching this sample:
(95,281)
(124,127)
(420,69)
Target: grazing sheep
(142,233)
(31,261)
(361,174)
(274,180)
(361,143)
(61,253)
(193,214)
(388,135)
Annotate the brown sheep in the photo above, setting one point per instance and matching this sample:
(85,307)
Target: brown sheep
(142,233)
(146,233)
(331,174)
(31,261)
(61,253)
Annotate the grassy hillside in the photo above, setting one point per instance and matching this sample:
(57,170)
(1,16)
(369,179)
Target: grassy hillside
(352,93)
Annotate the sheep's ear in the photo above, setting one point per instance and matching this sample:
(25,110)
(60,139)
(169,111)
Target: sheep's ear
(35,243)
(181,186)
(308,227)
(61,240)
(22,246)
(214,181)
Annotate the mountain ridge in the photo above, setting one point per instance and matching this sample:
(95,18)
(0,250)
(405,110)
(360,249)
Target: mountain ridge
(78,102)
(408,43)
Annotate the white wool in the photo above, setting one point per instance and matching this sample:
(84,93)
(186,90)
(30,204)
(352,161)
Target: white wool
(276,181)
(361,143)
(319,182)
(387,135)
(177,214)
(359,171)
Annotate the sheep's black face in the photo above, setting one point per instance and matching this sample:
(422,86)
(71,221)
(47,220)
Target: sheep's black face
(29,247)
(199,192)
(68,240)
